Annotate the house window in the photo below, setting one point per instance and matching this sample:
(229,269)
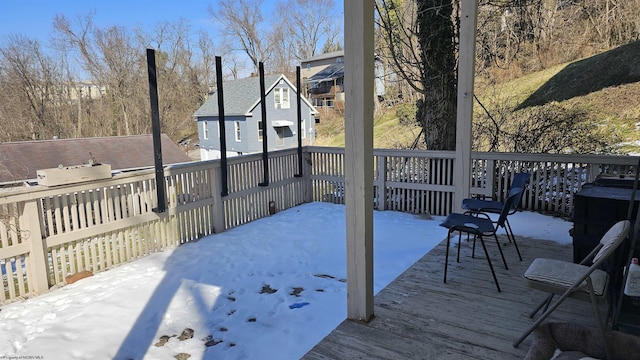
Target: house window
(303,128)
(279,136)
(281,98)
(260,130)
(237,130)
(205,130)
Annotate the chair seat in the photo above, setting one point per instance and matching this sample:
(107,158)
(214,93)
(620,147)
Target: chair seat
(562,274)
(491,206)
(468,223)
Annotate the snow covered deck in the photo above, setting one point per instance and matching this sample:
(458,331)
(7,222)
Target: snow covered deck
(419,317)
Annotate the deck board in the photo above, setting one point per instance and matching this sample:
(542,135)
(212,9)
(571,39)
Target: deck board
(417,316)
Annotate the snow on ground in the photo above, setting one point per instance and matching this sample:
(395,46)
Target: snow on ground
(270,289)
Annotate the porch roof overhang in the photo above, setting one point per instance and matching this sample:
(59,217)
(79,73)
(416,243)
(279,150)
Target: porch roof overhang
(330,73)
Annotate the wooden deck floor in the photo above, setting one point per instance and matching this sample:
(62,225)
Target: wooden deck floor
(419,317)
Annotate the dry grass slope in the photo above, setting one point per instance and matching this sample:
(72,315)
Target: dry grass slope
(607,85)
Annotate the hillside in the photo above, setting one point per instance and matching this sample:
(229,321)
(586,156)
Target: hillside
(606,86)
(388,132)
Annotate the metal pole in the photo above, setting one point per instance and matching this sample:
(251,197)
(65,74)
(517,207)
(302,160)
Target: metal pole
(265,148)
(155,129)
(223,133)
(299,174)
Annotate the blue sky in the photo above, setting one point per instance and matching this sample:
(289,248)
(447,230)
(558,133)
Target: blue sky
(34,18)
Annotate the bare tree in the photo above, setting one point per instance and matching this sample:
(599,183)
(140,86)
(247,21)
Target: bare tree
(550,128)
(397,44)
(110,57)
(306,24)
(181,84)
(283,52)
(241,21)
(35,98)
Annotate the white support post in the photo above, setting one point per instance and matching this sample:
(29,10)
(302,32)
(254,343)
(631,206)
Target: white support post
(31,231)
(466,74)
(359,74)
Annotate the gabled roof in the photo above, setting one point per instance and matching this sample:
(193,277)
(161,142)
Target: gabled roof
(241,96)
(333,71)
(328,55)
(20,160)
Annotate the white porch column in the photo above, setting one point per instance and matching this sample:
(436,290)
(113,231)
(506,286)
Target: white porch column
(466,72)
(358,83)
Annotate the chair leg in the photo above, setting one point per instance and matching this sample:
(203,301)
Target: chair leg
(601,324)
(473,249)
(459,243)
(511,237)
(486,253)
(542,317)
(506,220)
(545,303)
(446,257)
(504,261)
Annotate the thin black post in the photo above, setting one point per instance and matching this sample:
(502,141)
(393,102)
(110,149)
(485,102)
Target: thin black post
(299,174)
(155,130)
(265,148)
(223,133)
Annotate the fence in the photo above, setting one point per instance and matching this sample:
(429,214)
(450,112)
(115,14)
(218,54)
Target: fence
(47,234)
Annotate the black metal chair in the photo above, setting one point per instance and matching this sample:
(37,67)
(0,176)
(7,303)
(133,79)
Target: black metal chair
(479,226)
(472,205)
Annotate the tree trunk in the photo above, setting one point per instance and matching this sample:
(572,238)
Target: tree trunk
(437,110)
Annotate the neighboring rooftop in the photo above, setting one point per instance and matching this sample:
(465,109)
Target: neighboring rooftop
(328,55)
(20,160)
(331,72)
(240,96)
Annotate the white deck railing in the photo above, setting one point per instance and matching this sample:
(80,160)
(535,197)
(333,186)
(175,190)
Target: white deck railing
(48,233)
(423,181)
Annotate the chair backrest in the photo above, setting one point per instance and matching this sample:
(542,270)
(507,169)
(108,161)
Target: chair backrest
(611,240)
(514,193)
(520,180)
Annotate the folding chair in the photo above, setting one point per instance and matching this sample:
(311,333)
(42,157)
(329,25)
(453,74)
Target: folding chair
(579,281)
(479,227)
(520,180)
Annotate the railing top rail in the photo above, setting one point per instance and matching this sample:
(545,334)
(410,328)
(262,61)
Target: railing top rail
(10,195)
(27,193)
(391,152)
(39,191)
(584,158)
(580,158)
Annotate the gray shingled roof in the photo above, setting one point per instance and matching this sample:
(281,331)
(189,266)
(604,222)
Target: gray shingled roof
(20,160)
(239,96)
